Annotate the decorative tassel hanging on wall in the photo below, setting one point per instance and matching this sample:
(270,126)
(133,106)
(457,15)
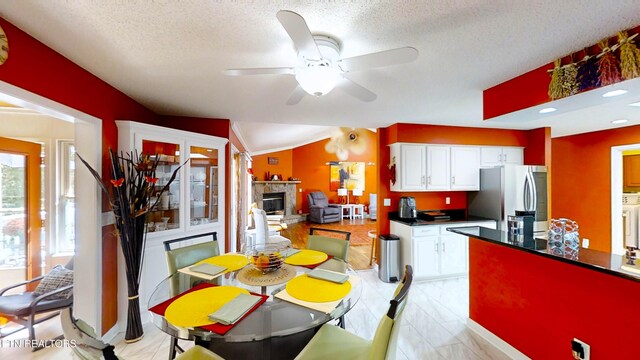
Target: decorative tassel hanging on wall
(569,79)
(629,57)
(588,73)
(608,65)
(555,86)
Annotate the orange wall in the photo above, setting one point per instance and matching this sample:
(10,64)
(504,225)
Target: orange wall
(581,180)
(309,165)
(435,134)
(261,167)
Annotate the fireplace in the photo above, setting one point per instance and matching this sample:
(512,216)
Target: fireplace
(273,203)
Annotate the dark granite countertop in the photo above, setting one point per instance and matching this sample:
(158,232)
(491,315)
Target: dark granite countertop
(449,217)
(591,259)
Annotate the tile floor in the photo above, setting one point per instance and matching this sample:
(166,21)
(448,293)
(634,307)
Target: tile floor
(433,326)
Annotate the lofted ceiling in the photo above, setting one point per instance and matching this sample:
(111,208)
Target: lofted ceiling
(169,55)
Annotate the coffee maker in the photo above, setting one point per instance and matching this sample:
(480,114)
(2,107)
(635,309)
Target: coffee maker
(407,208)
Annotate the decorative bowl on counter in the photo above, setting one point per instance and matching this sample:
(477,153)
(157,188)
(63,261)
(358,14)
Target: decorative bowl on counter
(266,257)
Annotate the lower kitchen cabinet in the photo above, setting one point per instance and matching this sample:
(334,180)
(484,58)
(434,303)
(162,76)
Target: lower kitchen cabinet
(432,251)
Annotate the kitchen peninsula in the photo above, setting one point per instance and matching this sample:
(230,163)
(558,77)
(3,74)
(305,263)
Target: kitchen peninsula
(538,302)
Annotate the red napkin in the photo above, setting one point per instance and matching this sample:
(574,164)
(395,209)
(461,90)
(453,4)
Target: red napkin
(313,266)
(216,328)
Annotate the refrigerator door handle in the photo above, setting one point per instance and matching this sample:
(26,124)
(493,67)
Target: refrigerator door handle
(534,192)
(526,192)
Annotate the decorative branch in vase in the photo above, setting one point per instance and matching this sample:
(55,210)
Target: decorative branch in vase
(133,182)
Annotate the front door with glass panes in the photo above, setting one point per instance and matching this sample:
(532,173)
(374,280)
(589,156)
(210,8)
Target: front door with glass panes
(20,223)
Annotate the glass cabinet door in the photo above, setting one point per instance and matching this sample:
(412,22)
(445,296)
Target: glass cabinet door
(203,185)
(165,211)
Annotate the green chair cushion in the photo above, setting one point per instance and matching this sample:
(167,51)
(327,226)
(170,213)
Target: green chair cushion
(333,343)
(189,255)
(337,248)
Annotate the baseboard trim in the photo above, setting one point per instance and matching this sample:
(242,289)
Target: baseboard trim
(114,335)
(494,340)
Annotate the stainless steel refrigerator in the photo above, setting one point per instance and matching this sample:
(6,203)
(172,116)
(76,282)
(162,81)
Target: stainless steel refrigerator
(505,189)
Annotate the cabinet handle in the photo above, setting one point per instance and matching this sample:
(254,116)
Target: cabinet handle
(436,247)
(443,248)
(499,157)
(429,179)
(453,180)
(505,157)
(422,180)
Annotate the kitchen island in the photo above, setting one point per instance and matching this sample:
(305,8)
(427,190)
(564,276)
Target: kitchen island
(538,302)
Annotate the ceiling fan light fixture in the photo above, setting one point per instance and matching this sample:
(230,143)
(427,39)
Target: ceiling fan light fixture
(317,80)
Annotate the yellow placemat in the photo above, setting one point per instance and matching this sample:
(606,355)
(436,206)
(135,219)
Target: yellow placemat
(193,309)
(325,307)
(232,262)
(316,290)
(306,257)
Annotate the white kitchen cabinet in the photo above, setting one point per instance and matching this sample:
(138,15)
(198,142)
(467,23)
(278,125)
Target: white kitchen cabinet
(465,168)
(438,167)
(432,251)
(425,167)
(410,161)
(491,156)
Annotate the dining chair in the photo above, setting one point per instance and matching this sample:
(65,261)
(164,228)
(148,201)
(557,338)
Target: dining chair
(262,229)
(332,342)
(199,353)
(178,258)
(336,247)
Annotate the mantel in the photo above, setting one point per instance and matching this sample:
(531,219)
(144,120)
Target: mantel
(278,182)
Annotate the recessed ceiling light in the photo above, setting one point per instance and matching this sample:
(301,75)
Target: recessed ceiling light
(613,93)
(619,121)
(547,110)
(635,104)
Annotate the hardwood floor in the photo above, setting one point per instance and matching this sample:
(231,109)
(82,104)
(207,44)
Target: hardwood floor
(360,249)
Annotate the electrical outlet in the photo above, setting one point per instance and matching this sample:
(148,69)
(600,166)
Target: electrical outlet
(387,202)
(447,200)
(585,243)
(299,190)
(580,349)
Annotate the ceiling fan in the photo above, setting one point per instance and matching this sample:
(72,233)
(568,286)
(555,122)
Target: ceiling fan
(321,69)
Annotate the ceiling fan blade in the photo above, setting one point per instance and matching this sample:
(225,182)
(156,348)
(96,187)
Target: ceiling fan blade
(299,32)
(297,95)
(260,71)
(356,90)
(378,59)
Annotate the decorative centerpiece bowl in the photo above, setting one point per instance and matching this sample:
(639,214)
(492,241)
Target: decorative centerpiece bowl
(266,257)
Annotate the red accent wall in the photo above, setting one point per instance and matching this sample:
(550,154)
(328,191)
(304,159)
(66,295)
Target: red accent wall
(533,141)
(538,305)
(527,90)
(581,180)
(37,68)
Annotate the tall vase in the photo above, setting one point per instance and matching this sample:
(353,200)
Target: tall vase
(134,330)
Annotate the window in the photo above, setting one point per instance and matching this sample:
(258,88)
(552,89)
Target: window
(64,242)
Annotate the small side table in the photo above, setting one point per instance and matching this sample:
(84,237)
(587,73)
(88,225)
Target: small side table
(357,211)
(349,212)
(372,234)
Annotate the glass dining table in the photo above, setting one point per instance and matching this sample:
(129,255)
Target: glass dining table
(278,329)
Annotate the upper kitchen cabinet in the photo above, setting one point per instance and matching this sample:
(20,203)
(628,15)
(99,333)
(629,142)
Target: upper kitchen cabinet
(410,161)
(425,167)
(195,200)
(438,169)
(465,168)
(491,156)
(631,170)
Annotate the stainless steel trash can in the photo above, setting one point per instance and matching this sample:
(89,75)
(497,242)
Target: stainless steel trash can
(388,258)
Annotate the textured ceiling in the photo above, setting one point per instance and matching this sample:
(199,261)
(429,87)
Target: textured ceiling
(169,55)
